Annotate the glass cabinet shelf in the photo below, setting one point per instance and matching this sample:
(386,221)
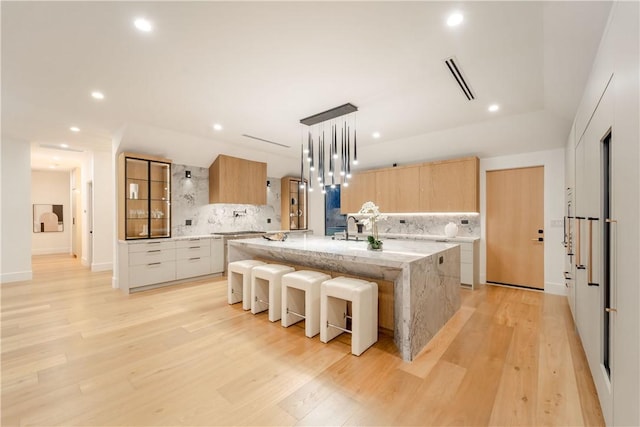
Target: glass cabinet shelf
(145,188)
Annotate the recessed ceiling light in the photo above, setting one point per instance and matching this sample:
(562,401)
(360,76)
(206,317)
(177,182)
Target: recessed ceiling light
(143,25)
(494,107)
(74,129)
(97,95)
(376,135)
(56,158)
(64,145)
(52,166)
(217,126)
(455,19)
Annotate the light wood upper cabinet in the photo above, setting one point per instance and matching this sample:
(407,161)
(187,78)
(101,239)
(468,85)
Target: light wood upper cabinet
(362,188)
(450,186)
(443,186)
(235,180)
(397,189)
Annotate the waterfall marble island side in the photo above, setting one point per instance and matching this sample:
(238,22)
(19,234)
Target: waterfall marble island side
(426,276)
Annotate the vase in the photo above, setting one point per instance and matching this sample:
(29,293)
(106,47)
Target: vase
(378,247)
(451,230)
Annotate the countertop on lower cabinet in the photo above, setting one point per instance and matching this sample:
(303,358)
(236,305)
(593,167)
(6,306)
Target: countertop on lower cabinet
(426,276)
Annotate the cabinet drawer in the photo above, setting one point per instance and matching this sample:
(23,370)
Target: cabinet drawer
(196,241)
(466,257)
(149,274)
(152,245)
(466,274)
(151,256)
(193,251)
(217,256)
(192,267)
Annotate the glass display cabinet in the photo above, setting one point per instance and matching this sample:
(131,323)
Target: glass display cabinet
(145,196)
(294,204)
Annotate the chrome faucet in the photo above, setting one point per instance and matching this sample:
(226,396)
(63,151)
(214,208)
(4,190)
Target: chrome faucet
(346,231)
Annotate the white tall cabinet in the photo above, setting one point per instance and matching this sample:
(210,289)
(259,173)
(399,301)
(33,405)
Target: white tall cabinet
(610,106)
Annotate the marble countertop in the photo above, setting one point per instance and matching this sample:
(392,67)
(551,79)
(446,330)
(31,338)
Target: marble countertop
(396,253)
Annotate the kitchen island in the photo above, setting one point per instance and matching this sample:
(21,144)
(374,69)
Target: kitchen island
(425,276)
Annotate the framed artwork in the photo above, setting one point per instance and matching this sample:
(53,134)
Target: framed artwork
(47,218)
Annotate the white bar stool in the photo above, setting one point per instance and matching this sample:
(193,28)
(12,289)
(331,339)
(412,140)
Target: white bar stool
(301,299)
(266,289)
(239,282)
(363,295)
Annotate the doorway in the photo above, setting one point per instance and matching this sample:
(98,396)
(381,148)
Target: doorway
(515,227)
(334,221)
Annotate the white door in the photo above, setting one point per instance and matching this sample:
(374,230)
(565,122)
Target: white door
(89,222)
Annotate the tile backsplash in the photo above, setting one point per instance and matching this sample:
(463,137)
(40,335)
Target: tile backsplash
(431,224)
(190,201)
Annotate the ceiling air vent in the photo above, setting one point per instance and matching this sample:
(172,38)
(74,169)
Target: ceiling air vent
(265,140)
(454,67)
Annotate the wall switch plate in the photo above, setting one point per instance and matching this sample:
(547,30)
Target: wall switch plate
(464,221)
(268,220)
(440,259)
(402,221)
(187,222)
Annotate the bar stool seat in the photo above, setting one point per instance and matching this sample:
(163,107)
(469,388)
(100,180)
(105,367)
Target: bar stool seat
(266,289)
(301,299)
(363,295)
(239,282)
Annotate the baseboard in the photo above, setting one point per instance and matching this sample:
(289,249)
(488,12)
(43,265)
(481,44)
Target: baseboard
(49,251)
(18,276)
(103,266)
(555,288)
(85,262)
(114,282)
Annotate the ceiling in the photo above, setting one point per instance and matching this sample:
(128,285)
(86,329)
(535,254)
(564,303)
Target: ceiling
(257,68)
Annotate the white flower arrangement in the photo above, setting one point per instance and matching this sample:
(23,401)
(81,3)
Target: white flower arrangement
(370,222)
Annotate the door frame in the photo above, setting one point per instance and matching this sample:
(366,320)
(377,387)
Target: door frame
(554,192)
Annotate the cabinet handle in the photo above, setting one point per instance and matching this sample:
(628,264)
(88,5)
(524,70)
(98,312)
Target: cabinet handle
(153,263)
(153,243)
(590,259)
(578,244)
(194,247)
(154,250)
(194,240)
(194,259)
(538,239)
(609,220)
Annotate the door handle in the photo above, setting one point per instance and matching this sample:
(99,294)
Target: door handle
(590,259)
(611,310)
(538,239)
(578,244)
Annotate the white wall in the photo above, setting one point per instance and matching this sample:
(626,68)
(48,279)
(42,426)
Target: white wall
(619,55)
(553,162)
(52,187)
(16,211)
(104,199)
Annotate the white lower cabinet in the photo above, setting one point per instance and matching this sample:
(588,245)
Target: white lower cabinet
(158,262)
(217,255)
(469,263)
(193,258)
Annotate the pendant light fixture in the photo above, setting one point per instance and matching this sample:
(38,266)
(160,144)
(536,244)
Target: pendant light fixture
(314,150)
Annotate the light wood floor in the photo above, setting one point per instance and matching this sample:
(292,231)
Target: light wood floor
(77,352)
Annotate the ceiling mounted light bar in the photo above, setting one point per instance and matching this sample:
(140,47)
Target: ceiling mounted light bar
(457,74)
(329,114)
